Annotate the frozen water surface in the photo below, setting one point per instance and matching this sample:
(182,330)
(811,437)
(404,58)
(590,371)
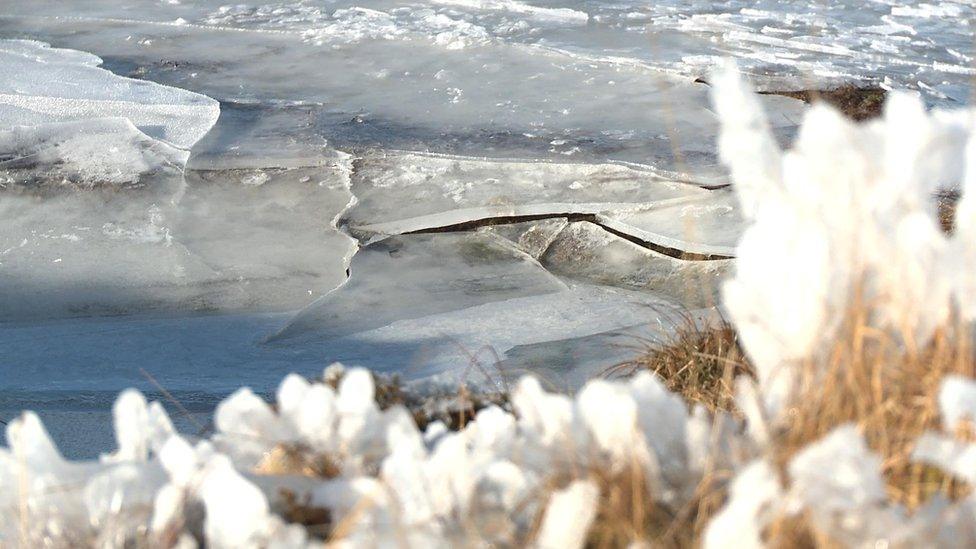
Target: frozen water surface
(399,193)
(419,275)
(437,76)
(526,176)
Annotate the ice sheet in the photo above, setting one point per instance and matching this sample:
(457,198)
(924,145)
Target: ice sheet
(413,276)
(402,192)
(586,251)
(84,155)
(40,85)
(230,244)
(470,78)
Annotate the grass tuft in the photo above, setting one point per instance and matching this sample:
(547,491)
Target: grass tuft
(695,361)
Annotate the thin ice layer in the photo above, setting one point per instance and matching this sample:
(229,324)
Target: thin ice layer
(470,344)
(413,276)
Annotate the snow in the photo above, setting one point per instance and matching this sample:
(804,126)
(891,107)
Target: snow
(884,228)
(460,487)
(30,95)
(753,497)
(578,500)
(482,483)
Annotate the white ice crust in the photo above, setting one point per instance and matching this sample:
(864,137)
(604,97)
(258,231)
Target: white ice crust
(33,92)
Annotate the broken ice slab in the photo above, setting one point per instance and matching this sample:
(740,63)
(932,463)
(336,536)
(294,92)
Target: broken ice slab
(402,192)
(41,85)
(413,276)
(102,153)
(265,136)
(585,251)
(708,225)
(532,237)
(238,240)
(451,304)
(470,344)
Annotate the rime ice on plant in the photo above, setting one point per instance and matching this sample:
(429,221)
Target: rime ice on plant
(846,213)
(484,484)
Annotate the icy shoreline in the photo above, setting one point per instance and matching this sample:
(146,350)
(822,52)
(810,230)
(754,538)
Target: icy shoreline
(579,122)
(848,210)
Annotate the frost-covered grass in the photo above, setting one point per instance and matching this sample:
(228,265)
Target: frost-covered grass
(837,408)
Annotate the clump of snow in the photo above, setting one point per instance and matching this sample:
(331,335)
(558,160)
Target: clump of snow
(33,92)
(754,500)
(846,213)
(392,482)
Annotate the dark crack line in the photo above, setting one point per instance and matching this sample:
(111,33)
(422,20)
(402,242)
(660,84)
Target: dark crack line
(475,224)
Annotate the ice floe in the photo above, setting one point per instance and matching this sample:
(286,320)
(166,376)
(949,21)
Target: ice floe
(33,92)
(451,304)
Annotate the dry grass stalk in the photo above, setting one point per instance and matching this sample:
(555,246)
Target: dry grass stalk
(883,384)
(699,363)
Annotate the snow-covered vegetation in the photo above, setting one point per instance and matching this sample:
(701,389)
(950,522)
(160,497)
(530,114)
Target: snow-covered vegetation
(843,282)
